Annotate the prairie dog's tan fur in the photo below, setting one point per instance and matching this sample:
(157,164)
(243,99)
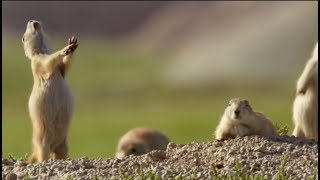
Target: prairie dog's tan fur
(140,141)
(51,101)
(305,105)
(240,120)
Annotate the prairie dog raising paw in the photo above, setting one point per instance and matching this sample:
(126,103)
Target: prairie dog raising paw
(51,100)
(239,119)
(305,105)
(139,141)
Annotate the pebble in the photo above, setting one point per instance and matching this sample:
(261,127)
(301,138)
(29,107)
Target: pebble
(11,176)
(7,162)
(21,163)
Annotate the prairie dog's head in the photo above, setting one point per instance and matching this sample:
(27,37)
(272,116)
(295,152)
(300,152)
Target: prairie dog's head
(34,39)
(238,109)
(131,147)
(139,141)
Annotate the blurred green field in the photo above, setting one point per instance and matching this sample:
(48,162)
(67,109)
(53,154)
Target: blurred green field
(115,90)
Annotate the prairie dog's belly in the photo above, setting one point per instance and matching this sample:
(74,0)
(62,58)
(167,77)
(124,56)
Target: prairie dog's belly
(240,130)
(51,106)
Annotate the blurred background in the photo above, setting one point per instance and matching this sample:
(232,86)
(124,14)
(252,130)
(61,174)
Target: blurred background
(172,66)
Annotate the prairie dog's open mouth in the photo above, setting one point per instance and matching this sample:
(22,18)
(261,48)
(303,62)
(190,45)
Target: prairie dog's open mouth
(34,24)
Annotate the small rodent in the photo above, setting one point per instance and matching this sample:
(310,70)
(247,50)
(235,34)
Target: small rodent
(239,119)
(139,141)
(305,105)
(51,100)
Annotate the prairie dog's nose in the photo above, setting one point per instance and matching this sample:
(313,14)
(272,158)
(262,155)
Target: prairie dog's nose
(237,112)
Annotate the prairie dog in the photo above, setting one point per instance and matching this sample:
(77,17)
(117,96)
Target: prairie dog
(51,100)
(240,119)
(140,141)
(305,105)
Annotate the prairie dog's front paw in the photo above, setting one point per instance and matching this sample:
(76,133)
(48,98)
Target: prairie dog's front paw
(66,51)
(74,43)
(72,46)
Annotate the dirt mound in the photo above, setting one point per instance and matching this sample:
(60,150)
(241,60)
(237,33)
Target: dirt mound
(195,160)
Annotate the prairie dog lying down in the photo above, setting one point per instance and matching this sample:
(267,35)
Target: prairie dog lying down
(240,119)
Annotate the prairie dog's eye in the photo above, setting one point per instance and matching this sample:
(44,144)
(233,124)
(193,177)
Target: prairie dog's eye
(246,103)
(229,104)
(133,150)
(22,38)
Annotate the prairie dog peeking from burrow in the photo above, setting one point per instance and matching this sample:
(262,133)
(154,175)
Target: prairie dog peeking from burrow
(239,119)
(139,141)
(51,100)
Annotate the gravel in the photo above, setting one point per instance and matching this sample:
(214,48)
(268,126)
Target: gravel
(194,160)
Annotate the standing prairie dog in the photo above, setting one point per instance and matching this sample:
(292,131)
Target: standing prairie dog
(140,141)
(305,105)
(51,101)
(240,120)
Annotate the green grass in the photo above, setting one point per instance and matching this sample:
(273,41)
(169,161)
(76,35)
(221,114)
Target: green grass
(116,90)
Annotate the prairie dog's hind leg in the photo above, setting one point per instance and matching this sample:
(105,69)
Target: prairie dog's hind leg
(33,158)
(61,151)
(297,132)
(41,149)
